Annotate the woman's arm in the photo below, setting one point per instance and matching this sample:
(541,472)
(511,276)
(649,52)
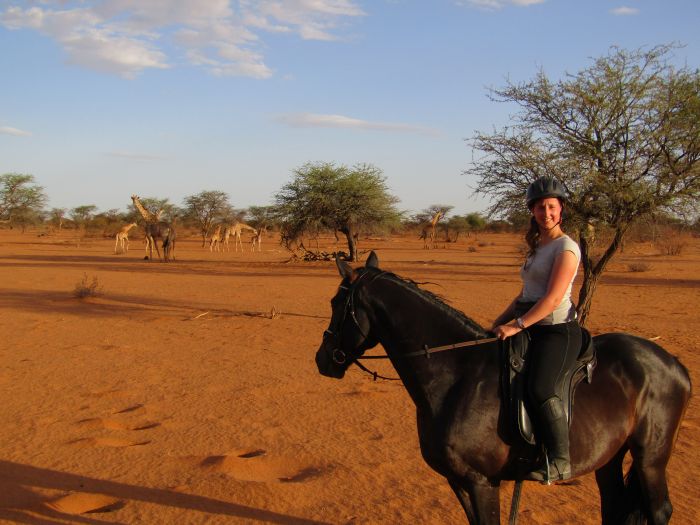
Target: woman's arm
(563,272)
(508,314)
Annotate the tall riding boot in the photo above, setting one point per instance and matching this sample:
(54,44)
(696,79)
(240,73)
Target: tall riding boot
(556,439)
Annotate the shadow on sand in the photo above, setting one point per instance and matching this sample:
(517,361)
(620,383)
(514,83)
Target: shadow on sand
(17,479)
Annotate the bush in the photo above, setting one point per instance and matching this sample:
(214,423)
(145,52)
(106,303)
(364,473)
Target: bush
(638,267)
(84,289)
(670,245)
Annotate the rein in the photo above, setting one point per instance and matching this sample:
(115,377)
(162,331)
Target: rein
(425,352)
(339,356)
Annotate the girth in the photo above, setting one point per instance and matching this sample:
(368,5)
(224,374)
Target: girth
(514,380)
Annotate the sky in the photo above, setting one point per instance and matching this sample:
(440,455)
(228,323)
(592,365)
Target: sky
(100,100)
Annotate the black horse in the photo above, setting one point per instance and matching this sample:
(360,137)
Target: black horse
(635,402)
(160,230)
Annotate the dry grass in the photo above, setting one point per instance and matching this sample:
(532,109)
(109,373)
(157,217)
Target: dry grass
(670,245)
(638,267)
(85,288)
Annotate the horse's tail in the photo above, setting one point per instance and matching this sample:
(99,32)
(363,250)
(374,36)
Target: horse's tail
(633,513)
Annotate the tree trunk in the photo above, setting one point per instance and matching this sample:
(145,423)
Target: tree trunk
(352,242)
(592,272)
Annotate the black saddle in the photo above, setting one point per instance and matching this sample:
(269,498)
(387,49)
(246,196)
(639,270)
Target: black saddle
(513,380)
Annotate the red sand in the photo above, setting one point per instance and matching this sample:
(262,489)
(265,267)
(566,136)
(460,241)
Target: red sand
(188,393)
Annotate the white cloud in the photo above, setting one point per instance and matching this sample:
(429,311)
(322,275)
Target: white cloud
(493,5)
(625,11)
(314,120)
(126,37)
(6,130)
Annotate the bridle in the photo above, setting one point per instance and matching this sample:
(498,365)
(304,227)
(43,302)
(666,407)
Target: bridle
(337,354)
(340,357)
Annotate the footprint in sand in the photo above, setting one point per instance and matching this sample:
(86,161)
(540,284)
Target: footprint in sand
(256,465)
(111,424)
(108,442)
(82,503)
(130,409)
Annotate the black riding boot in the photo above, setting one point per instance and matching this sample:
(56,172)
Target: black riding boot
(555,434)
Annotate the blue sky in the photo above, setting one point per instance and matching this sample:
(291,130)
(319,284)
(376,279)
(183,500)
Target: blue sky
(104,99)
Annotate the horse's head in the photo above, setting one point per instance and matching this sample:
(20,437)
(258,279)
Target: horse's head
(349,333)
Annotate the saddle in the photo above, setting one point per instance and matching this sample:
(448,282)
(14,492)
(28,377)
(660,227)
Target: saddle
(513,380)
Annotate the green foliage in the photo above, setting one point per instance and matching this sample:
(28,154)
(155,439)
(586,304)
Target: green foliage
(206,209)
(622,135)
(323,196)
(81,215)
(426,215)
(260,216)
(20,198)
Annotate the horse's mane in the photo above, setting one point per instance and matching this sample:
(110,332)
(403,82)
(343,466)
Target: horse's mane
(436,301)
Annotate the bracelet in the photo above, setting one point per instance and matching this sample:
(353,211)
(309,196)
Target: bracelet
(520,323)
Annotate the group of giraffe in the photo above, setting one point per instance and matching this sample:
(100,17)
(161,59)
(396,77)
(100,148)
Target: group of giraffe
(154,229)
(157,229)
(220,237)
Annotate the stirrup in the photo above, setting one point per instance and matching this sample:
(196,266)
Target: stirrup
(551,472)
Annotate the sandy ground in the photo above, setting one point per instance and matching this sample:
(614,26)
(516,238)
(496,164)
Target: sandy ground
(187,392)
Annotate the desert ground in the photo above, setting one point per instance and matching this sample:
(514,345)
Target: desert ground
(187,392)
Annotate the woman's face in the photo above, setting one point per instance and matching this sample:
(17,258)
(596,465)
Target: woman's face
(547,212)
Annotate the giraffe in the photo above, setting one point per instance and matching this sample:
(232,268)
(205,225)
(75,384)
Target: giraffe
(156,229)
(123,238)
(257,238)
(228,230)
(428,231)
(216,239)
(236,229)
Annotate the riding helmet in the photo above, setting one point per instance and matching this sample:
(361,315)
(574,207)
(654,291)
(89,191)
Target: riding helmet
(544,187)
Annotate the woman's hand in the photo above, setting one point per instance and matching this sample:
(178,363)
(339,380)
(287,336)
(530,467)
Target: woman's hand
(504,331)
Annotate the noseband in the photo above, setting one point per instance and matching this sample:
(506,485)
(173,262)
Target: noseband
(337,354)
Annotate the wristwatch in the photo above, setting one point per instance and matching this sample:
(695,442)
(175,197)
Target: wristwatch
(520,323)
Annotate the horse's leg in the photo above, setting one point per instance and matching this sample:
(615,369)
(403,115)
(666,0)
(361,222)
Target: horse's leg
(479,500)
(652,478)
(611,486)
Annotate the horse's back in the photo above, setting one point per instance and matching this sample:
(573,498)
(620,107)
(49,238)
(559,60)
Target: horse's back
(643,359)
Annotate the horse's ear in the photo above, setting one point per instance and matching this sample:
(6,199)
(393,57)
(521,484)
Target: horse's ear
(372,260)
(344,268)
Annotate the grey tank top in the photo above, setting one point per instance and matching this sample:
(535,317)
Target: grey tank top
(535,274)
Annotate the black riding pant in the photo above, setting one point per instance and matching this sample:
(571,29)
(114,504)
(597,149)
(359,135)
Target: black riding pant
(553,352)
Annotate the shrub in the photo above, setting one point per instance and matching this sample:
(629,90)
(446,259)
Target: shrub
(670,245)
(638,267)
(84,289)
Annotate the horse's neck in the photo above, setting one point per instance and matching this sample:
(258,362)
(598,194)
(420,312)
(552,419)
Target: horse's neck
(407,321)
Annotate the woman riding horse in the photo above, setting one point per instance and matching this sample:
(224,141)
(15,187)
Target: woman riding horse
(545,310)
(634,404)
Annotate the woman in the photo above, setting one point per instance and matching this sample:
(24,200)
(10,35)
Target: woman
(544,308)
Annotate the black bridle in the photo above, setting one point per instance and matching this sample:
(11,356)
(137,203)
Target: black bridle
(337,354)
(340,357)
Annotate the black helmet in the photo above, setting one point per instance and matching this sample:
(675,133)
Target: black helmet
(544,187)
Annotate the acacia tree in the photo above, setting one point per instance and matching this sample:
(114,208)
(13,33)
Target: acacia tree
(82,215)
(206,208)
(262,216)
(623,135)
(339,198)
(57,216)
(20,198)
